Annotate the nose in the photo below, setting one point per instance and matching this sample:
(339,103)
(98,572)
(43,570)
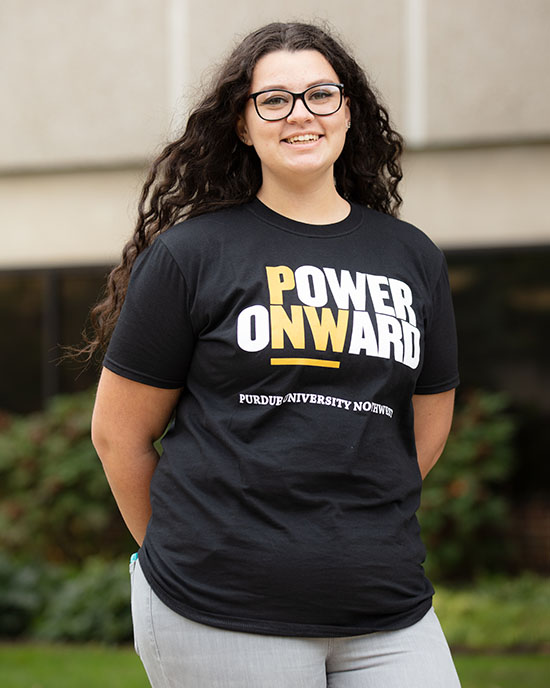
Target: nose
(299,112)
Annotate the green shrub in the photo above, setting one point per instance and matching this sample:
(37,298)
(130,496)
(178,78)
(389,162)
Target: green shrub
(65,603)
(93,604)
(464,513)
(21,597)
(497,614)
(55,503)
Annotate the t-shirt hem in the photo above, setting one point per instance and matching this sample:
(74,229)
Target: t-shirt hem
(280,628)
(439,387)
(138,376)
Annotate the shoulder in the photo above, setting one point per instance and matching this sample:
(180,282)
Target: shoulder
(203,229)
(402,237)
(401,230)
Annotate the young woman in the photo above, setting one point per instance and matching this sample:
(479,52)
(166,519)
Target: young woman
(301,339)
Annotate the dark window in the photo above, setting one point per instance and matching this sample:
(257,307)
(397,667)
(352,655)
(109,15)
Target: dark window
(40,311)
(502,305)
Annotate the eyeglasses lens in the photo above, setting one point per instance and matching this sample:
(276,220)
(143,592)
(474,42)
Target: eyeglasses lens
(320,100)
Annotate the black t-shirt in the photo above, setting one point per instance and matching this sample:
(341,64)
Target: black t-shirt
(284,502)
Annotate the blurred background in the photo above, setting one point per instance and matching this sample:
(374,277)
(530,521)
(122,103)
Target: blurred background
(91,92)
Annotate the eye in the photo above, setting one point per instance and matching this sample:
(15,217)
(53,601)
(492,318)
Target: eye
(274,99)
(320,94)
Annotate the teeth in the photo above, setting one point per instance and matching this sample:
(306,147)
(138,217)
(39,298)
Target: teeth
(303,137)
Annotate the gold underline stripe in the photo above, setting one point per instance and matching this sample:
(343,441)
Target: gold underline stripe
(306,361)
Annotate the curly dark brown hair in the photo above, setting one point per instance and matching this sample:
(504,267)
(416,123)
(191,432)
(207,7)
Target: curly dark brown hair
(209,168)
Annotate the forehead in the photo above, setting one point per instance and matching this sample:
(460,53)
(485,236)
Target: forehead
(292,70)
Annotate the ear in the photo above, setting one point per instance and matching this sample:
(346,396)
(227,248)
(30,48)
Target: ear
(242,130)
(347,109)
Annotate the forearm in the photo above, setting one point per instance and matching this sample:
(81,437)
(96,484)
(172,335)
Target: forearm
(128,417)
(129,475)
(427,457)
(432,421)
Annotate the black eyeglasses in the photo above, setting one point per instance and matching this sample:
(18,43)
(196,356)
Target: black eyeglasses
(322,99)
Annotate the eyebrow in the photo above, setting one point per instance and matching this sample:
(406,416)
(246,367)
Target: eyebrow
(278,87)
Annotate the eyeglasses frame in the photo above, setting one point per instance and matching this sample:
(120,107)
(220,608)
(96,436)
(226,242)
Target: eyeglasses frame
(295,97)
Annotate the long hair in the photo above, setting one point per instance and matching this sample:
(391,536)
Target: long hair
(208,168)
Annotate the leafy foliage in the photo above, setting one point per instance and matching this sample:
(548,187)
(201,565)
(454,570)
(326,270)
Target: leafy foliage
(65,603)
(497,614)
(55,503)
(92,604)
(465,511)
(22,596)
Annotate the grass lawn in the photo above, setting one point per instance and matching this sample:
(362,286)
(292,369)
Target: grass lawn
(67,666)
(497,615)
(503,671)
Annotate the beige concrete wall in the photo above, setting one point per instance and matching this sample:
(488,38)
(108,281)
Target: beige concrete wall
(479,197)
(94,86)
(488,70)
(98,83)
(83,82)
(71,218)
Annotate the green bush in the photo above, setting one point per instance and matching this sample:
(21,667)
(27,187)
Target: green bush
(65,603)
(465,511)
(22,596)
(55,503)
(93,604)
(497,614)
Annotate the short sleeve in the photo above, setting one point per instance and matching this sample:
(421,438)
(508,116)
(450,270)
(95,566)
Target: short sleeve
(153,339)
(440,366)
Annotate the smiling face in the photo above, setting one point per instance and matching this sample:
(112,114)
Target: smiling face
(302,146)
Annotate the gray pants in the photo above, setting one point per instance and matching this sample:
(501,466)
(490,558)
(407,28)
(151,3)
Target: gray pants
(179,653)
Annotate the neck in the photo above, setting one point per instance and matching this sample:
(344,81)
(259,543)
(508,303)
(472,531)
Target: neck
(316,204)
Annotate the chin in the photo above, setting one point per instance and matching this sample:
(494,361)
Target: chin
(313,168)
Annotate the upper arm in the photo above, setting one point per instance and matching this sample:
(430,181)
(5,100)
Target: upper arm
(440,359)
(154,339)
(129,412)
(433,415)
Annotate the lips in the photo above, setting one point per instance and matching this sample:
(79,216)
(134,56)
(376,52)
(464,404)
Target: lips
(302,138)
